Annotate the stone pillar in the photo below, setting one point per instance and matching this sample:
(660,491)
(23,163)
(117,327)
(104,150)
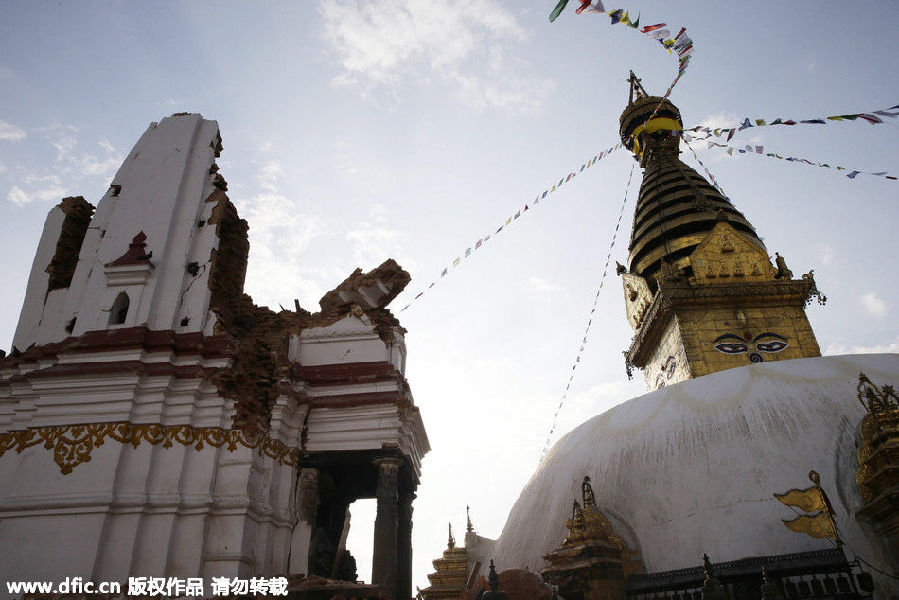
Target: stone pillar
(307,508)
(384,560)
(404,547)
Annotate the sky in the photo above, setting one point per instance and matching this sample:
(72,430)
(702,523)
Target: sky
(357,131)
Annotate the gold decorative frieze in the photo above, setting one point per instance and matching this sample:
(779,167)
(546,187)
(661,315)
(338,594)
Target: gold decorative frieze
(72,445)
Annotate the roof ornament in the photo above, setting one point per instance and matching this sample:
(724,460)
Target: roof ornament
(468,526)
(587,492)
(636,87)
(493,582)
(451,542)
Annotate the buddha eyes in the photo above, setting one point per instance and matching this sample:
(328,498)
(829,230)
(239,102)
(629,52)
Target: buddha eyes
(732,347)
(772,346)
(730,343)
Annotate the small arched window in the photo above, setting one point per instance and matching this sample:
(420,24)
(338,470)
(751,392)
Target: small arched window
(119,309)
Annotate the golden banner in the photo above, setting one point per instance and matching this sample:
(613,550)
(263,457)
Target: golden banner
(817,526)
(808,500)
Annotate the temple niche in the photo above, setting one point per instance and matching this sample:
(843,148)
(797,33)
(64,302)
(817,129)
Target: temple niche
(155,421)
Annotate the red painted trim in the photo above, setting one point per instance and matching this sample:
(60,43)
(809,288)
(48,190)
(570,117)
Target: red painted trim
(134,367)
(350,400)
(132,338)
(343,373)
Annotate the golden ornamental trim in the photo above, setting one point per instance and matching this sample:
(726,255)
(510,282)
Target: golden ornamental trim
(72,445)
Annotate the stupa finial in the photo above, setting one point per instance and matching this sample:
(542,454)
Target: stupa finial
(636,88)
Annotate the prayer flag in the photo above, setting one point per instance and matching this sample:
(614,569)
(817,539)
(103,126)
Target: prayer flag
(760,122)
(525,207)
(745,124)
(558,10)
(478,244)
(544,194)
(852,174)
(616,15)
(442,273)
(509,220)
(518,214)
(456,262)
(590,6)
(468,252)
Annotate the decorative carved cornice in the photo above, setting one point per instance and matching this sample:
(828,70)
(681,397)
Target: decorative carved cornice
(73,445)
(674,294)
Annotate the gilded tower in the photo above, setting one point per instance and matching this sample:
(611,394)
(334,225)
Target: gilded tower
(700,290)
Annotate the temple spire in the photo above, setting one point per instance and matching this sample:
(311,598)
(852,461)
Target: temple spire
(700,290)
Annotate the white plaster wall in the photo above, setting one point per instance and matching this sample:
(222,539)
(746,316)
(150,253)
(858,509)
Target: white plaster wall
(148,511)
(691,468)
(164,181)
(671,344)
(350,339)
(33,306)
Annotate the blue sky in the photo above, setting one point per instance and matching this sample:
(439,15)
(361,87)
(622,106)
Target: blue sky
(357,131)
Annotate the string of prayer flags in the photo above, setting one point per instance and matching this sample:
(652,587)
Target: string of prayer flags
(873,117)
(481,241)
(681,43)
(583,345)
(748,149)
(705,168)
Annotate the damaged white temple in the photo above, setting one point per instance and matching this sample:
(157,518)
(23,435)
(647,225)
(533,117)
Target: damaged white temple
(153,420)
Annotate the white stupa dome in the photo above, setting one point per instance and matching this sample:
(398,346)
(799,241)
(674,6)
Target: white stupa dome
(691,468)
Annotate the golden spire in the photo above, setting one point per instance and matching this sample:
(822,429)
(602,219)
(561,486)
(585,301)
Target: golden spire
(451,542)
(677,207)
(468,526)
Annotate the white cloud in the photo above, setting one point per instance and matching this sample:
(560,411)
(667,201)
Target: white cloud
(279,234)
(462,43)
(373,245)
(838,348)
(720,120)
(50,193)
(11,133)
(514,93)
(55,127)
(17,196)
(874,305)
(543,286)
(64,145)
(827,256)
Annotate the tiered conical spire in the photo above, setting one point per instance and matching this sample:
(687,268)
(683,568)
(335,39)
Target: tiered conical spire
(677,207)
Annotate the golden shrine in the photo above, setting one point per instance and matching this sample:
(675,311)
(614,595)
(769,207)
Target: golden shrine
(450,578)
(593,563)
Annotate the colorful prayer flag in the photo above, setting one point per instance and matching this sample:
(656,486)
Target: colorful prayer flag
(591,6)
(557,10)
